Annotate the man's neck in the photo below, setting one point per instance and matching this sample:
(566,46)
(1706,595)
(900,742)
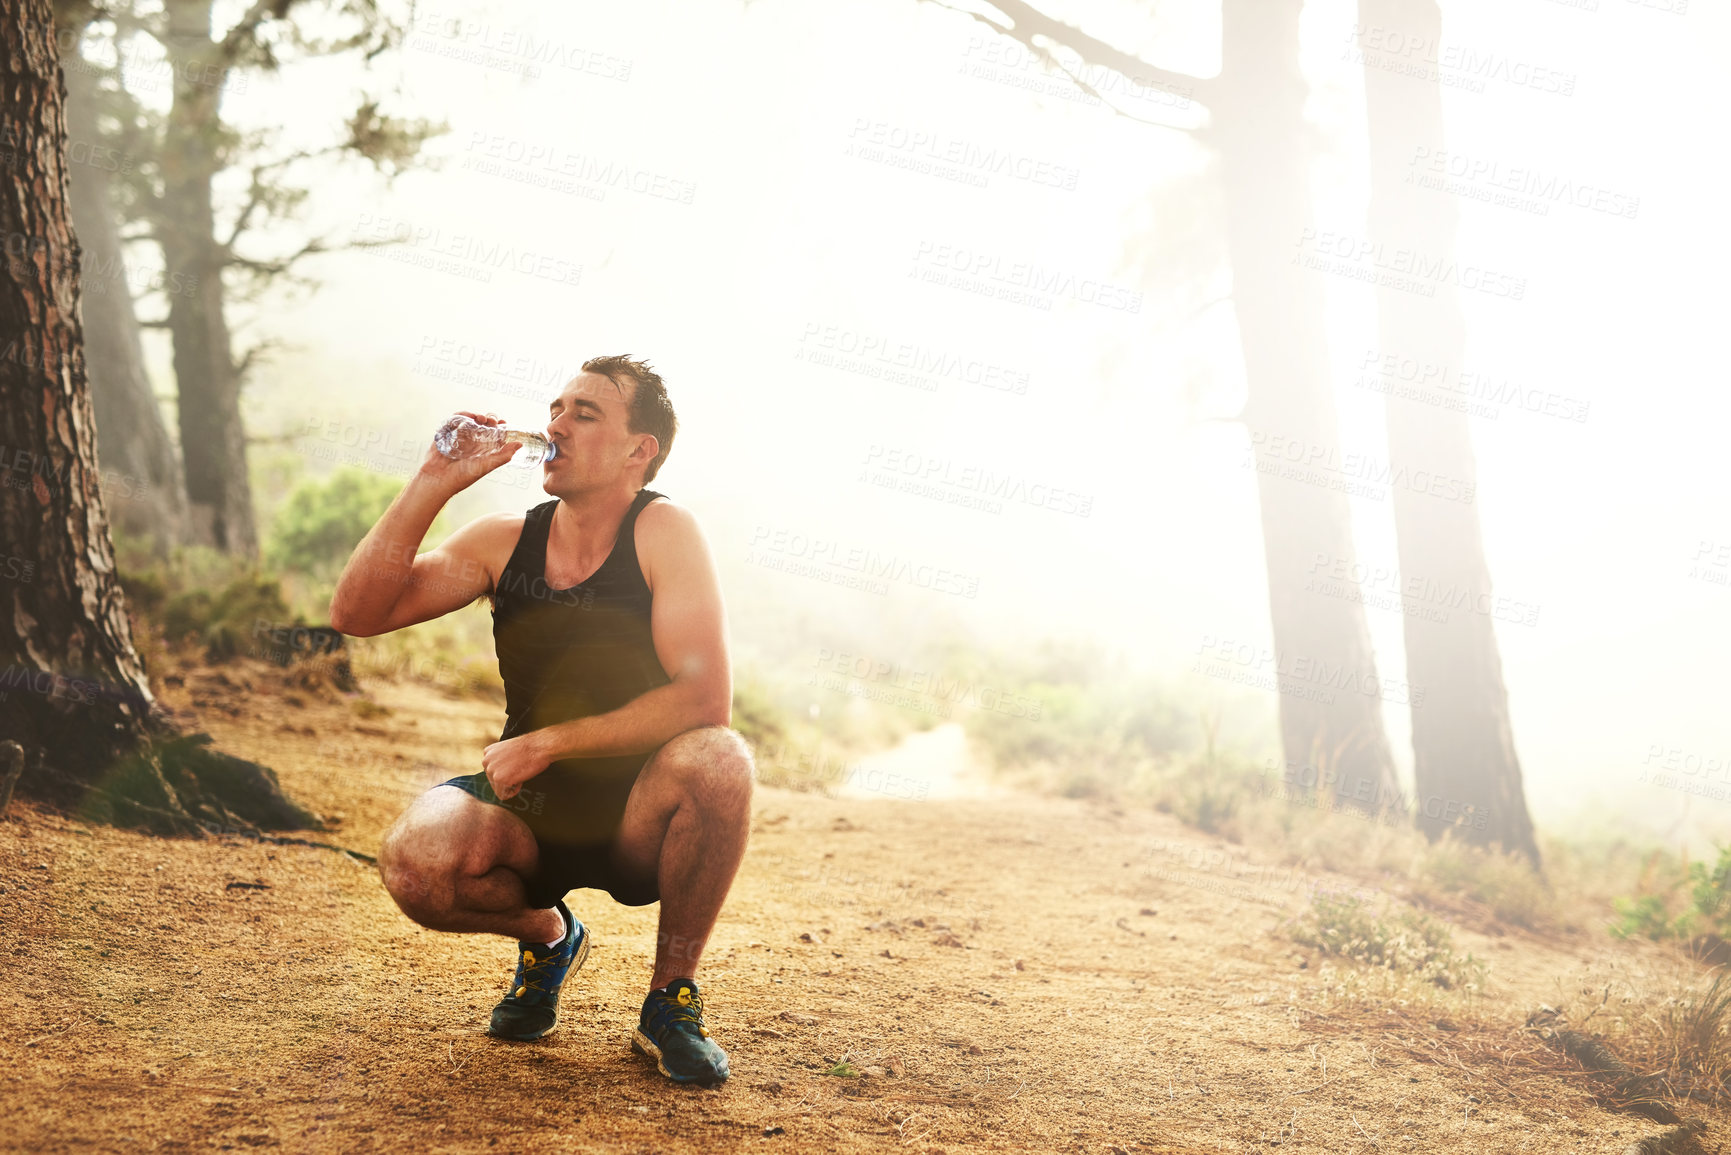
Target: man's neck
(586,525)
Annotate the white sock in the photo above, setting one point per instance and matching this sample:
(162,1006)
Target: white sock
(565,929)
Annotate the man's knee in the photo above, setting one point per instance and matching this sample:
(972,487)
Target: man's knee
(715,764)
(422,857)
(422,888)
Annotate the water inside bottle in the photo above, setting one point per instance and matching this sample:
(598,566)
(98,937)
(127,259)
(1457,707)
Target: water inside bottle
(536,447)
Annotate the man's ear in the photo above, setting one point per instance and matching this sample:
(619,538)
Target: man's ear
(645,450)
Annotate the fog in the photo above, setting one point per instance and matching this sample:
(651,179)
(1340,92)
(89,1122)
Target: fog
(803,227)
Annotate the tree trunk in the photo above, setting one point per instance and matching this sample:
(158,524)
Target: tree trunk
(1467,775)
(73,682)
(1331,697)
(143,488)
(212,439)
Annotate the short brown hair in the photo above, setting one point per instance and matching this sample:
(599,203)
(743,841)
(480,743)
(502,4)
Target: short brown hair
(651,412)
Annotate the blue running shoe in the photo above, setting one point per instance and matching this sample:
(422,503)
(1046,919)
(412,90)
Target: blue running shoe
(532,1007)
(671,1031)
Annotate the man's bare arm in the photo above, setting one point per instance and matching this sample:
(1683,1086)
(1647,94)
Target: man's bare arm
(689,627)
(386,585)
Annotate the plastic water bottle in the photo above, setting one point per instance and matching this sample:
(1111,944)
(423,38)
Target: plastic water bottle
(465,437)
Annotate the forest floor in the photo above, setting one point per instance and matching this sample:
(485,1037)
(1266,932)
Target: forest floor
(999,972)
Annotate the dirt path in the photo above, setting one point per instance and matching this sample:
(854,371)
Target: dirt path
(1009,973)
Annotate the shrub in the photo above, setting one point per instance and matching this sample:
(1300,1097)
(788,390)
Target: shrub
(1083,722)
(1207,802)
(1408,942)
(220,604)
(1643,917)
(1710,894)
(1506,883)
(224,619)
(323,521)
(1706,903)
(1670,1025)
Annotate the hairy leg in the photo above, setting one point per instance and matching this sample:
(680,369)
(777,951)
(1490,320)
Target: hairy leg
(686,825)
(455,863)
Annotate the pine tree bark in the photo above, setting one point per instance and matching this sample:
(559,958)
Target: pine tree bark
(72,680)
(1331,694)
(143,487)
(212,436)
(1467,776)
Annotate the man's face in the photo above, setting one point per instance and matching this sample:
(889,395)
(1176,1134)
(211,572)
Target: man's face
(587,421)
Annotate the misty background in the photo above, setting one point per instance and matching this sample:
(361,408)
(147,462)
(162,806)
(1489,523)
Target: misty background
(769,243)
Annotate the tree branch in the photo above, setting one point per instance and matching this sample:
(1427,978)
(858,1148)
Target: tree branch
(238,37)
(1027,23)
(252,356)
(260,191)
(128,22)
(1223,299)
(281,264)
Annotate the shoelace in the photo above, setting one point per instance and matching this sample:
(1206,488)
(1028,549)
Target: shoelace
(532,971)
(685,1007)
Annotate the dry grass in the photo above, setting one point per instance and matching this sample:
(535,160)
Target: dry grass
(1505,883)
(1509,1062)
(1403,941)
(1227,796)
(1681,1030)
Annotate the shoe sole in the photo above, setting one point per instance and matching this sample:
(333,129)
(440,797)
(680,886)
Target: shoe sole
(577,961)
(643,1045)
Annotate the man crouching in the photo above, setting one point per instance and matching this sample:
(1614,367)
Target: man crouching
(616,769)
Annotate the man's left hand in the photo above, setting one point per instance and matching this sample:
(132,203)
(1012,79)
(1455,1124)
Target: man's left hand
(511,763)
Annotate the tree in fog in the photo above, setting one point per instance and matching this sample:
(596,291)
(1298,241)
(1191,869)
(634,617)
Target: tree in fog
(215,255)
(1262,150)
(145,494)
(1466,774)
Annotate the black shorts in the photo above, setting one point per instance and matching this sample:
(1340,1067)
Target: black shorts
(574,808)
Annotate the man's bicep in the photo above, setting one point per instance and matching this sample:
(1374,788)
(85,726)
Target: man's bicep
(449,576)
(687,620)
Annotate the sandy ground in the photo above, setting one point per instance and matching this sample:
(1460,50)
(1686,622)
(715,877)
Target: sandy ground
(1004,972)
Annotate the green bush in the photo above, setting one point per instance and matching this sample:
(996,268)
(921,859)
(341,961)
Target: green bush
(1643,917)
(323,521)
(205,596)
(1710,894)
(1707,908)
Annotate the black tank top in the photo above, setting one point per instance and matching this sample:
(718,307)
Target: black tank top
(571,653)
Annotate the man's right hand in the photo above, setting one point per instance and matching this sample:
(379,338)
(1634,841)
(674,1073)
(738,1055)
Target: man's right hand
(453,475)
(387,585)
